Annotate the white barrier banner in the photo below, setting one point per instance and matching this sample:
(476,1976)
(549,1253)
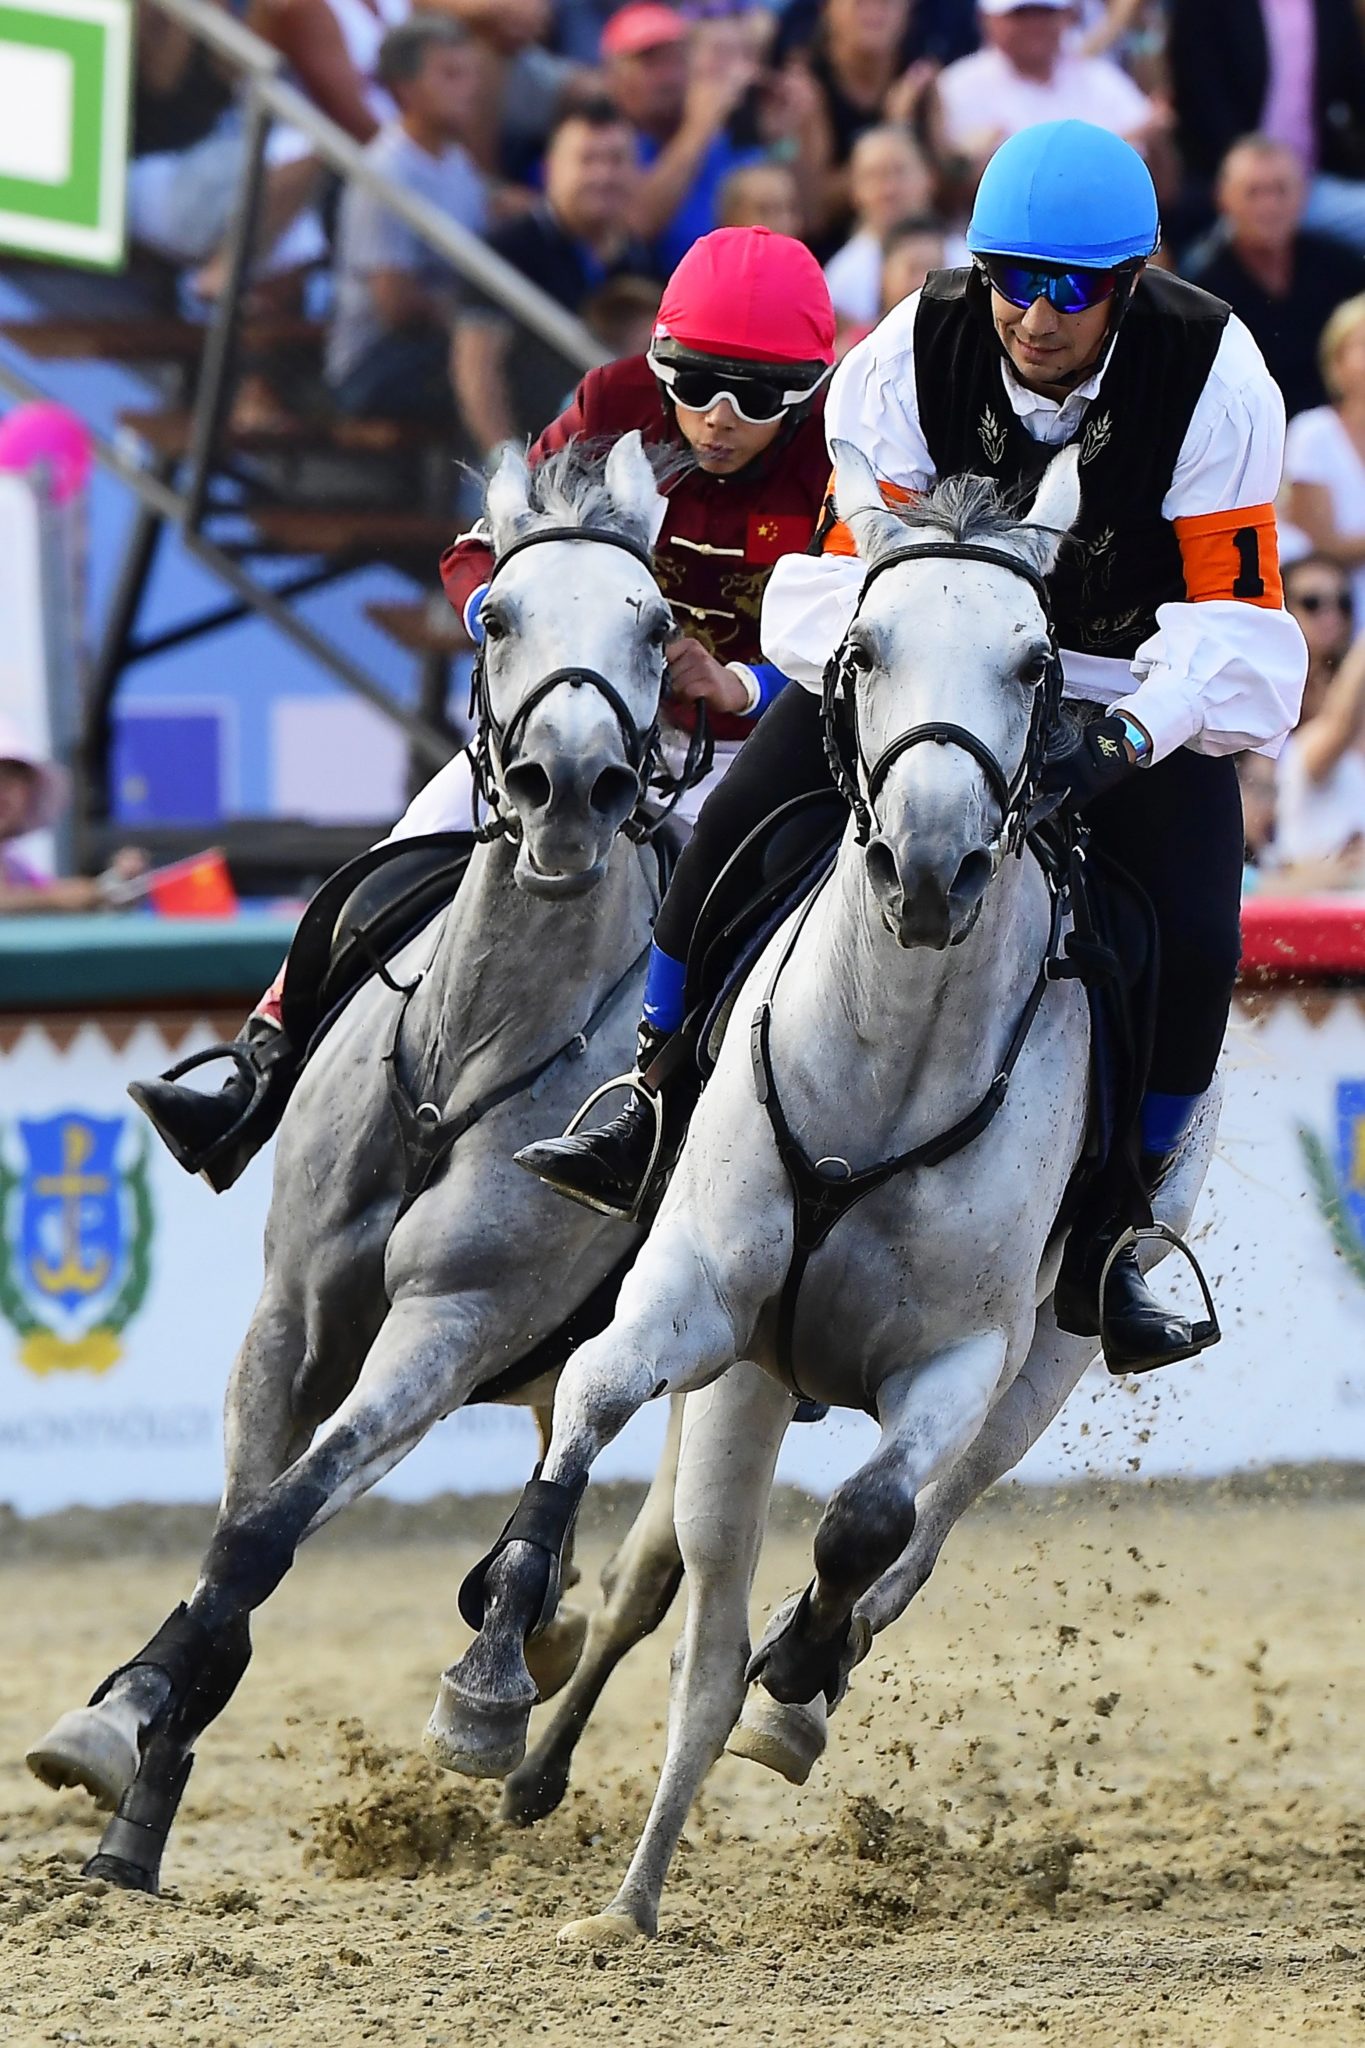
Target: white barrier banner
(125,1288)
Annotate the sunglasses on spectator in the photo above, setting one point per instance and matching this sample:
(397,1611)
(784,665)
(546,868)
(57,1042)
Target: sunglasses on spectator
(757,400)
(1313,601)
(1066,291)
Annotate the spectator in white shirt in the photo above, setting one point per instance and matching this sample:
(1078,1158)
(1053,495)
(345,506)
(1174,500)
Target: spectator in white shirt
(1024,74)
(1320,793)
(889,181)
(1324,452)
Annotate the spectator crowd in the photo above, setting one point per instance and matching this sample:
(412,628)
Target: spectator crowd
(590,144)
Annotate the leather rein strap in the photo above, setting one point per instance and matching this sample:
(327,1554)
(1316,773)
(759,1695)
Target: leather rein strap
(642,749)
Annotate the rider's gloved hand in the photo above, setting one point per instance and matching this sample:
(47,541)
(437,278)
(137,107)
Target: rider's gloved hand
(1100,757)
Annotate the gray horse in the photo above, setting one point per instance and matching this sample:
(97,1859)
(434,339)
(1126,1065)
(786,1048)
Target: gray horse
(936,1045)
(384,1308)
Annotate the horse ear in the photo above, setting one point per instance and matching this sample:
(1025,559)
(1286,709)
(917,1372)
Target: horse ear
(859,502)
(1053,512)
(507,501)
(629,477)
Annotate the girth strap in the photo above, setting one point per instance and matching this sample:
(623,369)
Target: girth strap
(428,1137)
(820,1199)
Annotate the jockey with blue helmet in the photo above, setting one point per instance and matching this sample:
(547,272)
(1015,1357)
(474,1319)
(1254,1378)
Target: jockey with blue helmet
(1167,604)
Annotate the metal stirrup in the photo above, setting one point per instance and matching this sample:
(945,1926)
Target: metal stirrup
(649,1095)
(1202,1335)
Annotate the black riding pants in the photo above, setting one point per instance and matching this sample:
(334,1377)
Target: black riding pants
(1176,828)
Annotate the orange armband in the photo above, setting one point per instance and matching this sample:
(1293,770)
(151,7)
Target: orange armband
(1232,554)
(833,535)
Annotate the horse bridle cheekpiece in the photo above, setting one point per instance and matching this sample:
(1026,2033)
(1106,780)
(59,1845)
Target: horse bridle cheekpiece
(643,749)
(859,782)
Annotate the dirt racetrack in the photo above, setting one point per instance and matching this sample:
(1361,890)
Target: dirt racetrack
(1104,1785)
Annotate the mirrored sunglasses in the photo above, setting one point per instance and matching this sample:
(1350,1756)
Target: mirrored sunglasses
(1066,291)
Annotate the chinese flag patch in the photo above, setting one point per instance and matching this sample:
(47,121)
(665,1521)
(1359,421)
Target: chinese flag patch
(773,534)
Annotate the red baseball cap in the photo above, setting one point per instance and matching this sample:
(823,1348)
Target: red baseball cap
(646,25)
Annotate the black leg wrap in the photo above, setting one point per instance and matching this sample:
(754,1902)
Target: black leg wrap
(801,1665)
(178,1649)
(543,1517)
(130,1850)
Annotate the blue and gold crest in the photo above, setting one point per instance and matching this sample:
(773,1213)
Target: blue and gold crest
(1338,1175)
(75,1238)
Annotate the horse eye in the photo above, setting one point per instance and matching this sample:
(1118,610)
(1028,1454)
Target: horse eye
(1034,670)
(859,658)
(494,626)
(660,632)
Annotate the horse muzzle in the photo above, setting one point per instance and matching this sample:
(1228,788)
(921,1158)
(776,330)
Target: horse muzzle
(928,896)
(569,810)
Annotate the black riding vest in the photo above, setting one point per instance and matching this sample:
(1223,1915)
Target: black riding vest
(1123,558)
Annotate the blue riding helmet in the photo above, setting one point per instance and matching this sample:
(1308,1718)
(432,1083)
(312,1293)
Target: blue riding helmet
(1066,193)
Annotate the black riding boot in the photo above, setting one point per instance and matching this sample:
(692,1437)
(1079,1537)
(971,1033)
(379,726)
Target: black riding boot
(219,1135)
(615,1168)
(1137,1333)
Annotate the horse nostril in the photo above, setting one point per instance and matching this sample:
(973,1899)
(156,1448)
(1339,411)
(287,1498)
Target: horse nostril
(970,881)
(528,786)
(615,793)
(881,870)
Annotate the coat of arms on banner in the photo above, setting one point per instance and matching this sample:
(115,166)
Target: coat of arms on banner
(75,1238)
(1338,1175)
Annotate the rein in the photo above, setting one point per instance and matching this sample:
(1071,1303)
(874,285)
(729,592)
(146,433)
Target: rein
(824,1190)
(643,749)
(843,743)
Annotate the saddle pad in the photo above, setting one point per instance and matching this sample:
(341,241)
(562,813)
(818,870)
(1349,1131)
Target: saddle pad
(770,875)
(359,919)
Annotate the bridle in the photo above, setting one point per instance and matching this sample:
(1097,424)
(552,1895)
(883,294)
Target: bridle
(859,783)
(495,747)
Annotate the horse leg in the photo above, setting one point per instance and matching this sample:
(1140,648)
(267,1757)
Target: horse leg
(99,1746)
(789,1737)
(672,1334)
(196,1660)
(731,1436)
(928,1416)
(553,1656)
(638,1582)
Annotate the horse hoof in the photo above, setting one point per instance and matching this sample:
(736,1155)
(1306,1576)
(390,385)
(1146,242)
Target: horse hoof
(787,1739)
(127,1876)
(552,1656)
(530,1796)
(86,1748)
(478,1738)
(602,1930)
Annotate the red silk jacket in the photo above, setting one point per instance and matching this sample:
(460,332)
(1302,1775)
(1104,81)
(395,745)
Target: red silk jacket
(721,535)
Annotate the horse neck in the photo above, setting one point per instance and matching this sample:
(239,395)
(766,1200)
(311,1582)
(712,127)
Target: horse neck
(514,975)
(918,1034)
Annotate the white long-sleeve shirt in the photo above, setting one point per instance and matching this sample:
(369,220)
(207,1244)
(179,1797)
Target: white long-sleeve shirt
(1219,675)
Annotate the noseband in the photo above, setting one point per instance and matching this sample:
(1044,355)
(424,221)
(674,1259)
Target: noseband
(642,749)
(843,743)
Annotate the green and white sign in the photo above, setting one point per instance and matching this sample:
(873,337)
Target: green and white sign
(65,71)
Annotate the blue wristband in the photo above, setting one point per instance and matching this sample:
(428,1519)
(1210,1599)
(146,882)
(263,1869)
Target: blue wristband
(470,614)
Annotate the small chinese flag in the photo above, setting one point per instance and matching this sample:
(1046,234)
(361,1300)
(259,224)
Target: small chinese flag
(771,535)
(198,887)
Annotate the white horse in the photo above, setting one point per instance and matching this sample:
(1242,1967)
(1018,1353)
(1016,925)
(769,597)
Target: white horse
(393,1295)
(884,1017)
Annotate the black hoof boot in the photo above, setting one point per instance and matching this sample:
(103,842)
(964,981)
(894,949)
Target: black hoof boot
(130,1850)
(219,1135)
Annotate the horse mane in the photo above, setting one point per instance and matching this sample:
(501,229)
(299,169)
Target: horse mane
(569,488)
(968,508)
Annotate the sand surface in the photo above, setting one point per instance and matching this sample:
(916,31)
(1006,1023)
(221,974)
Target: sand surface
(1103,1785)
